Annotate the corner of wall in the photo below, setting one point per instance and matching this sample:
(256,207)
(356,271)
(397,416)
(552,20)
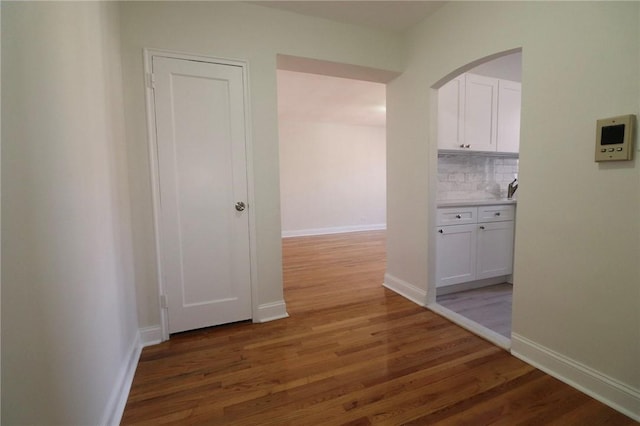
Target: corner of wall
(120,392)
(405,289)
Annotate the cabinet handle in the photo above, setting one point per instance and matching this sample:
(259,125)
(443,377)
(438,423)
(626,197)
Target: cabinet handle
(497,213)
(482,227)
(441,231)
(458,216)
(462,145)
(467,146)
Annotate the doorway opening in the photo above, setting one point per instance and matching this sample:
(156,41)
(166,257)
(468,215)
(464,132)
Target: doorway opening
(332,141)
(475,202)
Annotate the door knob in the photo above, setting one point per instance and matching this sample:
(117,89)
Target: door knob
(240,206)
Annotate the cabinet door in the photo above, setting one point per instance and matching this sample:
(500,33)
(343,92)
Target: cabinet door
(455,254)
(480,119)
(451,114)
(495,249)
(509,99)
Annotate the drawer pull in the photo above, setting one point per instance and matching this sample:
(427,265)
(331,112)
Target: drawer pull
(497,213)
(441,231)
(458,216)
(482,227)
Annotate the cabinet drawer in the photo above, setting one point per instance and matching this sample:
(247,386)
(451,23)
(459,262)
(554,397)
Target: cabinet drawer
(456,215)
(497,213)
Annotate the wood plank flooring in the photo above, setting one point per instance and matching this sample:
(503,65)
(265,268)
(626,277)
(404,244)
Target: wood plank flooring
(351,353)
(488,306)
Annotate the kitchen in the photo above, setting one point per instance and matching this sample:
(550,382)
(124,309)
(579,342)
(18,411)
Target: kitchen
(478,159)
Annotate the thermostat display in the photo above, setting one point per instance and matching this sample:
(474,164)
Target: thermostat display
(614,138)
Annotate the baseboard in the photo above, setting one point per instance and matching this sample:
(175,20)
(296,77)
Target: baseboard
(120,393)
(333,230)
(605,389)
(271,312)
(405,289)
(150,335)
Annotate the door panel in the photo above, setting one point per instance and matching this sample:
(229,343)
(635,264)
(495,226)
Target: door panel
(200,126)
(480,112)
(495,249)
(509,100)
(455,254)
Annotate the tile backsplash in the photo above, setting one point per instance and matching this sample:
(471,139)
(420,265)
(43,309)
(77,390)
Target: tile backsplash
(474,177)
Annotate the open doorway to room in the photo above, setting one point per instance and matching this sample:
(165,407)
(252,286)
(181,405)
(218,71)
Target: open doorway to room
(332,188)
(476,200)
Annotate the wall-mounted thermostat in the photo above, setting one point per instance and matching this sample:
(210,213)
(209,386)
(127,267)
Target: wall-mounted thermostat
(614,138)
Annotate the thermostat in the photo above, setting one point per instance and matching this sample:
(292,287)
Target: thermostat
(614,138)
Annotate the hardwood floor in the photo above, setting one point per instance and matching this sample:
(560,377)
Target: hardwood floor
(488,306)
(351,353)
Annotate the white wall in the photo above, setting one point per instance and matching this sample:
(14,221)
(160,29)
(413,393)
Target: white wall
(576,289)
(232,30)
(332,177)
(69,324)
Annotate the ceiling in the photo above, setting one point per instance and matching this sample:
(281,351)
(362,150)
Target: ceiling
(395,16)
(318,98)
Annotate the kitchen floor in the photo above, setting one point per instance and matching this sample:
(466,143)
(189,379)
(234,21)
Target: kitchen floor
(488,306)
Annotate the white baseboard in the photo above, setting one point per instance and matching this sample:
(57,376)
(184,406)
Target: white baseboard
(405,289)
(150,335)
(271,312)
(605,389)
(120,393)
(333,230)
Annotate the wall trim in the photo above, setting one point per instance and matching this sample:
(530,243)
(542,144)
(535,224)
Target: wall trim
(150,335)
(405,289)
(120,393)
(605,389)
(334,230)
(271,311)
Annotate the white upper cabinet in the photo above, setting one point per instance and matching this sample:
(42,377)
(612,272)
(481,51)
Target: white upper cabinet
(478,113)
(481,107)
(451,114)
(509,99)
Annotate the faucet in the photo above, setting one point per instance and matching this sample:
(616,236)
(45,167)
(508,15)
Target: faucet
(513,186)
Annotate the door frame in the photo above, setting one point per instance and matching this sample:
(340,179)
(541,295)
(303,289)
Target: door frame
(148,55)
(430,299)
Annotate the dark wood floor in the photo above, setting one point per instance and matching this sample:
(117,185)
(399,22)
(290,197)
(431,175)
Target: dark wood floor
(351,353)
(488,306)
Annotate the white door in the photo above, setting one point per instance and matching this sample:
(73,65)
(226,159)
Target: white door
(204,238)
(509,100)
(481,105)
(455,254)
(451,114)
(495,249)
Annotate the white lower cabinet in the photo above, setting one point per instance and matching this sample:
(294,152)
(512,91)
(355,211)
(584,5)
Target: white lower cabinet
(494,250)
(456,254)
(474,251)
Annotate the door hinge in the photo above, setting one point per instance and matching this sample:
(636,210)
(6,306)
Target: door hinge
(164,303)
(151,80)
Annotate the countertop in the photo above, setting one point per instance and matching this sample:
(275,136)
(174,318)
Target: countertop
(463,203)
